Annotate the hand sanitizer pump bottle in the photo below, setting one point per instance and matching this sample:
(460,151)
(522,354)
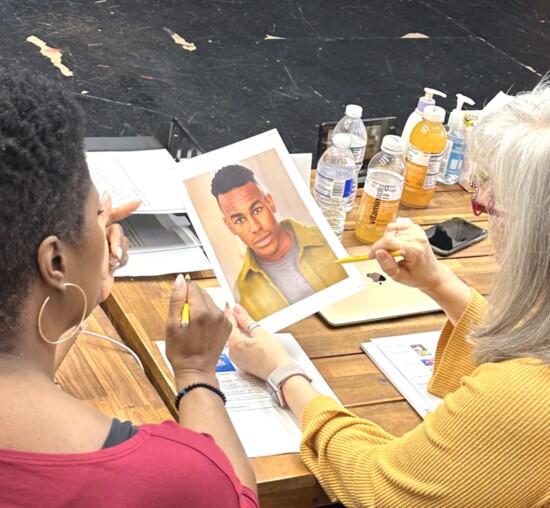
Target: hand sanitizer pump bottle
(451,163)
(416,116)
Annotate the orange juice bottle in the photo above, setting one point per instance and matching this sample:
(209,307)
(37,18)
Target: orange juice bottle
(427,144)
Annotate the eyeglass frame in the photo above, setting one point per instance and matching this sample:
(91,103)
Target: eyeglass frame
(478,208)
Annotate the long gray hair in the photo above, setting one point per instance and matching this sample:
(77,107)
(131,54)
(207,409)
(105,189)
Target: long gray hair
(513,144)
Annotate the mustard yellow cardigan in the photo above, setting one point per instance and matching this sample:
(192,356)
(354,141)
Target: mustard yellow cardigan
(487,445)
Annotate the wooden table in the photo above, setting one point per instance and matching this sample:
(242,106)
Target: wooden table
(138,307)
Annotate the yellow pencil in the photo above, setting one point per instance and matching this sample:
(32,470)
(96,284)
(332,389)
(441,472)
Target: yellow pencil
(185,311)
(357,259)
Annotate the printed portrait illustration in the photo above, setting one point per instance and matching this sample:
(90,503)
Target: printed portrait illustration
(267,243)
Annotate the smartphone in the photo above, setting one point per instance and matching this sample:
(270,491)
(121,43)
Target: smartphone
(454,234)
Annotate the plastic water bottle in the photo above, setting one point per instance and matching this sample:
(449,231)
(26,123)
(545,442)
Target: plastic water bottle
(352,124)
(382,191)
(334,181)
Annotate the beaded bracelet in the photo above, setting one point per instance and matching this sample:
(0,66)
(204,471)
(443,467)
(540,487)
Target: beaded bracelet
(187,389)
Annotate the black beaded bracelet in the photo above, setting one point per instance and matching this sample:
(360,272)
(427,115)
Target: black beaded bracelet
(187,389)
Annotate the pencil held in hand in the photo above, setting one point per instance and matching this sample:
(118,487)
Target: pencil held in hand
(357,259)
(185,310)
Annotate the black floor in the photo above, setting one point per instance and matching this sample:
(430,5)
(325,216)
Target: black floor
(130,75)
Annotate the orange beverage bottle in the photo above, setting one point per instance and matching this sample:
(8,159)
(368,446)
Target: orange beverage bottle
(427,144)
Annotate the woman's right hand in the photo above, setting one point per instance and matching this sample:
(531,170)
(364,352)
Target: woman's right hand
(194,350)
(419,267)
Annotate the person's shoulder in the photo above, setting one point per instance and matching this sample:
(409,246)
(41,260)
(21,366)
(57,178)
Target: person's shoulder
(516,386)
(171,431)
(311,231)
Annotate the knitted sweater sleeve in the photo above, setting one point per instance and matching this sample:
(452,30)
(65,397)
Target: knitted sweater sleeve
(487,445)
(453,356)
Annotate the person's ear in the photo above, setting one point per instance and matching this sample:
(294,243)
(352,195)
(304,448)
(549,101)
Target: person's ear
(229,225)
(52,262)
(269,200)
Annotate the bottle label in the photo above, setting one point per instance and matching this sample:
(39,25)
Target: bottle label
(380,202)
(358,156)
(445,157)
(433,168)
(454,163)
(333,188)
(417,156)
(383,191)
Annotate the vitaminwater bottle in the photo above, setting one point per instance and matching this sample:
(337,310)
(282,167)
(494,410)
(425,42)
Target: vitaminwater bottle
(334,180)
(382,191)
(427,143)
(352,124)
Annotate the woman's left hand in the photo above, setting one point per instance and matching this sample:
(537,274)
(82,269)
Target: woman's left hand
(259,353)
(116,241)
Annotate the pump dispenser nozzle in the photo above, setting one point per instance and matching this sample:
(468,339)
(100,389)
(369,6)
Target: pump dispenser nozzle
(428,99)
(455,119)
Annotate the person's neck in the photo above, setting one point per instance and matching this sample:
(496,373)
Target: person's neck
(13,367)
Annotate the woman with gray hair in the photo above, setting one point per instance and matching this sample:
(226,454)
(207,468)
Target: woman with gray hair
(488,443)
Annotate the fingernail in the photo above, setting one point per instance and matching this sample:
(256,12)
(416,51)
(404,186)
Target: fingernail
(119,252)
(105,196)
(239,309)
(179,281)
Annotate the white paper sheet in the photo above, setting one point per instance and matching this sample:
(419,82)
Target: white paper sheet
(285,180)
(263,427)
(143,175)
(407,361)
(161,244)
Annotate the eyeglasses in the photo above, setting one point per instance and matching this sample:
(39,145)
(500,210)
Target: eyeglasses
(478,207)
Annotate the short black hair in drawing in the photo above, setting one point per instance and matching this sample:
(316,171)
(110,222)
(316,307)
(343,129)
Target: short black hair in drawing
(44,182)
(231,177)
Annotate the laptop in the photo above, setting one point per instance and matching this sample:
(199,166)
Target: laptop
(383,298)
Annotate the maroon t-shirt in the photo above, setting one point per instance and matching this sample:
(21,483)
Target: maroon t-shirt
(162,465)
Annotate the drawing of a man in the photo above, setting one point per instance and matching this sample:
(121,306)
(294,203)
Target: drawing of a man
(285,261)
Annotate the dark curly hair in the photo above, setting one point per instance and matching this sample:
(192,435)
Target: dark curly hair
(231,177)
(44,182)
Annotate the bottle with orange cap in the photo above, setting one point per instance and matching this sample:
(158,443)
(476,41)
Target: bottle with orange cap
(427,144)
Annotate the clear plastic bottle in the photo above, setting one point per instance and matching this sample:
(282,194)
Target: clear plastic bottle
(451,163)
(334,180)
(428,141)
(382,191)
(352,124)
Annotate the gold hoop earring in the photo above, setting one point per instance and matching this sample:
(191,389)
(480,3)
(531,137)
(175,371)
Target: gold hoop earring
(77,328)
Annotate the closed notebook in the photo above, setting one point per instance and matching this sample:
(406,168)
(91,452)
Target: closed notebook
(383,298)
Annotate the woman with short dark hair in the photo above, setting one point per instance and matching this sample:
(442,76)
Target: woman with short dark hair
(58,252)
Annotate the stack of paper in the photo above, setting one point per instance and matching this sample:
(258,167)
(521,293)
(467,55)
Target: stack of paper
(407,361)
(161,238)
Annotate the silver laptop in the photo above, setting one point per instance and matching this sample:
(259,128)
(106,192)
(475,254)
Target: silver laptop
(383,298)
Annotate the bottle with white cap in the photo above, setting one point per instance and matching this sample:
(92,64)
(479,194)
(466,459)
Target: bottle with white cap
(426,146)
(334,180)
(352,124)
(416,116)
(451,163)
(382,190)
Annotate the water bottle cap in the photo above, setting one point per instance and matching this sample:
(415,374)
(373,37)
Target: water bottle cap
(341,140)
(393,144)
(354,111)
(434,114)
